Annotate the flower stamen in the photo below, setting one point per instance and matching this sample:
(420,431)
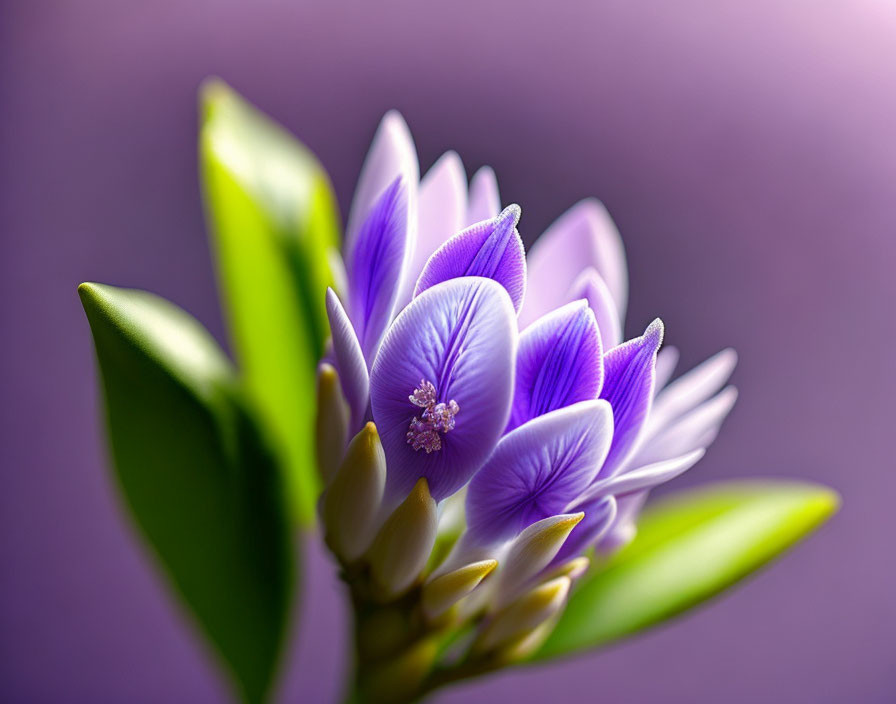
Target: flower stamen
(424,395)
(436,418)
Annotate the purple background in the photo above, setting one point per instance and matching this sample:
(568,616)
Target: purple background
(748,153)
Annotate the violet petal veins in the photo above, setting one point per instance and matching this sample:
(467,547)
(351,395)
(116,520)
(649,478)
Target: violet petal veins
(538,469)
(376,266)
(628,386)
(559,363)
(492,249)
(392,155)
(460,336)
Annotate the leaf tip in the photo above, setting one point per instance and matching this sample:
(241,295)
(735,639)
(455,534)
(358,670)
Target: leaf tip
(826,502)
(86,290)
(212,91)
(93,296)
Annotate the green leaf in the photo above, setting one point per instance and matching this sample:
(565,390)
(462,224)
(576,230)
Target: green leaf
(274,228)
(689,547)
(199,480)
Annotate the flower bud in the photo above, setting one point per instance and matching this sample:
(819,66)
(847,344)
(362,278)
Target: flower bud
(401,548)
(523,615)
(331,422)
(441,593)
(451,514)
(573,569)
(531,552)
(352,501)
(451,526)
(525,646)
(463,552)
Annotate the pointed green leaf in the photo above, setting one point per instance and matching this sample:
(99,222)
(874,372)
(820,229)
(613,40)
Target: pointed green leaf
(689,547)
(274,228)
(195,472)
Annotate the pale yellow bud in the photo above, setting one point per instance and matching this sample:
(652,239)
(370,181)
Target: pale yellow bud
(452,513)
(525,646)
(573,569)
(352,501)
(531,552)
(523,615)
(451,525)
(441,593)
(401,548)
(463,552)
(331,423)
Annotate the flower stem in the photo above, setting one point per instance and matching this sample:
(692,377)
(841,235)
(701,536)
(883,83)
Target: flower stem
(394,647)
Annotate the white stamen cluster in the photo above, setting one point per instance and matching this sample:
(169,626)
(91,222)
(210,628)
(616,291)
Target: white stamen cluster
(436,418)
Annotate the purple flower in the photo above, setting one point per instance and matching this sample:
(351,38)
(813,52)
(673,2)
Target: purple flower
(506,374)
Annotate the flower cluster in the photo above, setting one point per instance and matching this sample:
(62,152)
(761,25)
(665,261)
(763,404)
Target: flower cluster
(482,423)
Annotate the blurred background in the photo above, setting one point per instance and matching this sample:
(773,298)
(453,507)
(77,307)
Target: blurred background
(747,151)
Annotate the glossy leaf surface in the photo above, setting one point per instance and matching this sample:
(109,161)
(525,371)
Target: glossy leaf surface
(274,228)
(197,475)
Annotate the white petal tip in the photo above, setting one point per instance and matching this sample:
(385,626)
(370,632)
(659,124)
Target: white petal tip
(655,332)
(512,211)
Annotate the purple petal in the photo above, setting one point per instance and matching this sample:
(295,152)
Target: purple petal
(697,428)
(538,469)
(461,336)
(590,286)
(558,363)
(628,386)
(392,155)
(442,208)
(375,267)
(484,202)
(599,515)
(584,236)
(646,477)
(666,361)
(349,360)
(623,528)
(491,249)
(691,389)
